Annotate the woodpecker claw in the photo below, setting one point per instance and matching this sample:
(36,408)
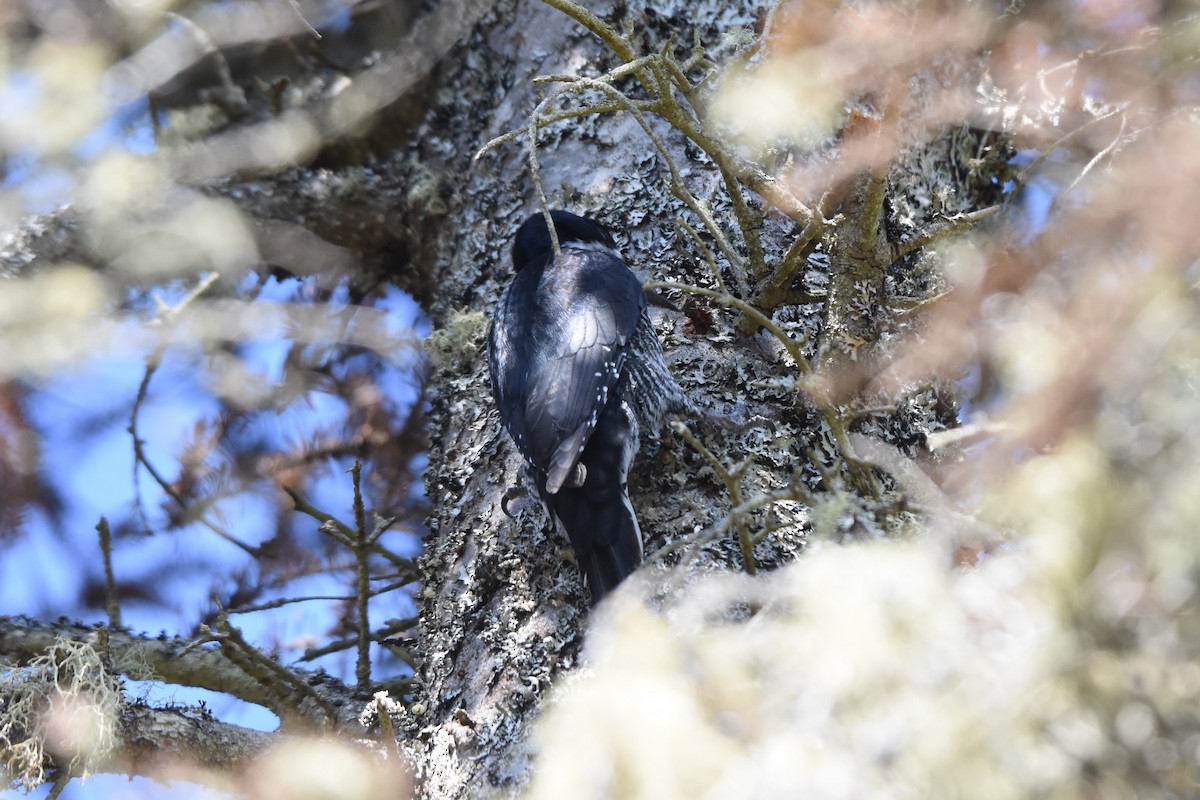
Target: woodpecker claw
(577,477)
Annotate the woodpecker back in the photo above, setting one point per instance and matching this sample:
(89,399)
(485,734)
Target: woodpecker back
(577,371)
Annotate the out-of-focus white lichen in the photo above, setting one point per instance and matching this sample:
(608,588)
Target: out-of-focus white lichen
(63,705)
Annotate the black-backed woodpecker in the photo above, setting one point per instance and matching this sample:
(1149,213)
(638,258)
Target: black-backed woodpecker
(578,373)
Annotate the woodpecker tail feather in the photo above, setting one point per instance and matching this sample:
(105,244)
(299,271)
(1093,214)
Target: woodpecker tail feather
(603,532)
(597,516)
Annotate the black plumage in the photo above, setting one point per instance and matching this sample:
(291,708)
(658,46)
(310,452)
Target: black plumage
(577,373)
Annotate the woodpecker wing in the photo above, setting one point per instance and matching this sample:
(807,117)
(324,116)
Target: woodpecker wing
(558,346)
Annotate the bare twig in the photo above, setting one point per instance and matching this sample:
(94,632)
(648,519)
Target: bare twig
(795,491)
(587,19)
(352,641)
(112,600)
(677,187)
(141,461)
(685,121)
(732,478)
(558,116)
(362,550)
(266,669)
(949,227)
(1023,178)
(706,250)
(343,534)
(794,348)
(1096,158)
(344,598)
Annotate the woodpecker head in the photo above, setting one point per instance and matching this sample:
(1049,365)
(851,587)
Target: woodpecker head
(532,245)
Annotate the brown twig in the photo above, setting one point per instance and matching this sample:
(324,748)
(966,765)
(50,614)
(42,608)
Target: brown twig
(112,601)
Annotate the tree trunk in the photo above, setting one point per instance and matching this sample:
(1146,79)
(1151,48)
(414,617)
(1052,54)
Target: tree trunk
(503,610)
(776,398)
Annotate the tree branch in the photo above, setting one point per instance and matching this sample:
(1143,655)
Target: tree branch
(179,661)
(153,739)
(951,226)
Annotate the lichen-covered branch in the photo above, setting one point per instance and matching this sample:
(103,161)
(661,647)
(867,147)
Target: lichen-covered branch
(155,739)
(180,661)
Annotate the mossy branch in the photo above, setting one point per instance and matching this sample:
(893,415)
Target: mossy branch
(794,348)
(682,119)
(950,227)
(732,478)
(613,40)
(706,251)
(777,287)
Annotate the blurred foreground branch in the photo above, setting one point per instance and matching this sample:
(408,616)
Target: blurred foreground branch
(179,661)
